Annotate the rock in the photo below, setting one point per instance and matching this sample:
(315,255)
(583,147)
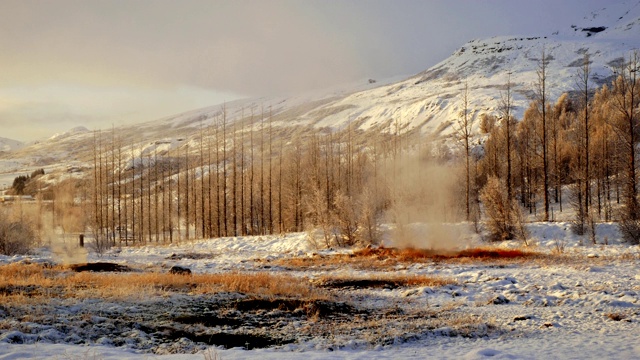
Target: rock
(499,300)
(180,270)
(522,318)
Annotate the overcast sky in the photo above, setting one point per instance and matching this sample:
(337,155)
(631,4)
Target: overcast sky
(97,63)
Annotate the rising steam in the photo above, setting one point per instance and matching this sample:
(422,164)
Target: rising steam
(425,203)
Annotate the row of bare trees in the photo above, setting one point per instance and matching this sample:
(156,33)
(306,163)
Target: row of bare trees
(243,178)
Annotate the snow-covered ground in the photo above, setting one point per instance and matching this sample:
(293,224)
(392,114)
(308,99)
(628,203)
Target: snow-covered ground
(580,302)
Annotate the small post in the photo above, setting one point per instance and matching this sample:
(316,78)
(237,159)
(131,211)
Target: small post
(81,240)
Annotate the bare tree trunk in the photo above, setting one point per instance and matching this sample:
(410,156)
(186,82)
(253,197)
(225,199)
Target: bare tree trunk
(202,187)
(542,94)
(243,223)
(251,180)
(133,194)
(120,195)
(464,134)
(210,187)
(234,180)
(280,180)
(179,197)
(218,194)
(270,220)
(583,84)
(224,169)
(262,227)
(149,227)
(141,233)
(155,193)
(170,204)
(187,213)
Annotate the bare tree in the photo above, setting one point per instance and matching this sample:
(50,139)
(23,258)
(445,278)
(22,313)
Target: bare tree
(187,199)
(270,211)
(464,136)
(224,169)
(542,100)
(625,102)
(202,184)
(582,83)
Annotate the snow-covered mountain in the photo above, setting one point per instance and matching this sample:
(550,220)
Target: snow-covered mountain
(76,130)
(431,101)
(428,102)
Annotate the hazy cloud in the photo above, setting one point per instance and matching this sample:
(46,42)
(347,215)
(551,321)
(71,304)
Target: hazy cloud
(136,56)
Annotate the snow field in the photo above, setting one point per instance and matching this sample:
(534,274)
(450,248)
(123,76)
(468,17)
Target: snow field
(582,303)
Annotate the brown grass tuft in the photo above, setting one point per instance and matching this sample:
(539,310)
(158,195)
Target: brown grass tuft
(616,316)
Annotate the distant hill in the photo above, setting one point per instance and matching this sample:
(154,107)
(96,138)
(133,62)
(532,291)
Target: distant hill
(10,145)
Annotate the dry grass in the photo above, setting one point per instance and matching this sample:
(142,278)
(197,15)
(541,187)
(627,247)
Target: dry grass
(615,316)
(384,258)
(36,282)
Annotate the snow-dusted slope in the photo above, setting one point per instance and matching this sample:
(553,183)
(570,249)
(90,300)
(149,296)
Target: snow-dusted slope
(76,130)
(9,144)
(432,100)
(429,101)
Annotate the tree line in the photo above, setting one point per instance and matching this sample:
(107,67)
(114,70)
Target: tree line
(582,145)
(245,178)
(250,177)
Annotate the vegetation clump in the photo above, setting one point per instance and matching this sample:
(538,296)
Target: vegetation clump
(17,236)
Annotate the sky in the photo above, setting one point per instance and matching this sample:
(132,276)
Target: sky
(91,63)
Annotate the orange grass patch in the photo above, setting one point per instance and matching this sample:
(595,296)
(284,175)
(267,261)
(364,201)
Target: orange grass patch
(35,281)
(384,258)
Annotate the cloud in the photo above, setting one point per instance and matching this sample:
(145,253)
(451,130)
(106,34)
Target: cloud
(245,47)
(28,113)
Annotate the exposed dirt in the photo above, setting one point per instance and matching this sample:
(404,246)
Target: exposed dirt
(179,322)
(100,267)
(174,317)
(362,283)
(190,255)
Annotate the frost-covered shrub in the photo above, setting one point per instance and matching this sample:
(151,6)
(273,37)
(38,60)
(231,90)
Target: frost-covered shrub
(16,237)
(630,230)
(504,216)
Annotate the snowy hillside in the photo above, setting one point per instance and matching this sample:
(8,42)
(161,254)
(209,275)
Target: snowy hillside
(431,100)
(428,102)
(66,134)
(9,145)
